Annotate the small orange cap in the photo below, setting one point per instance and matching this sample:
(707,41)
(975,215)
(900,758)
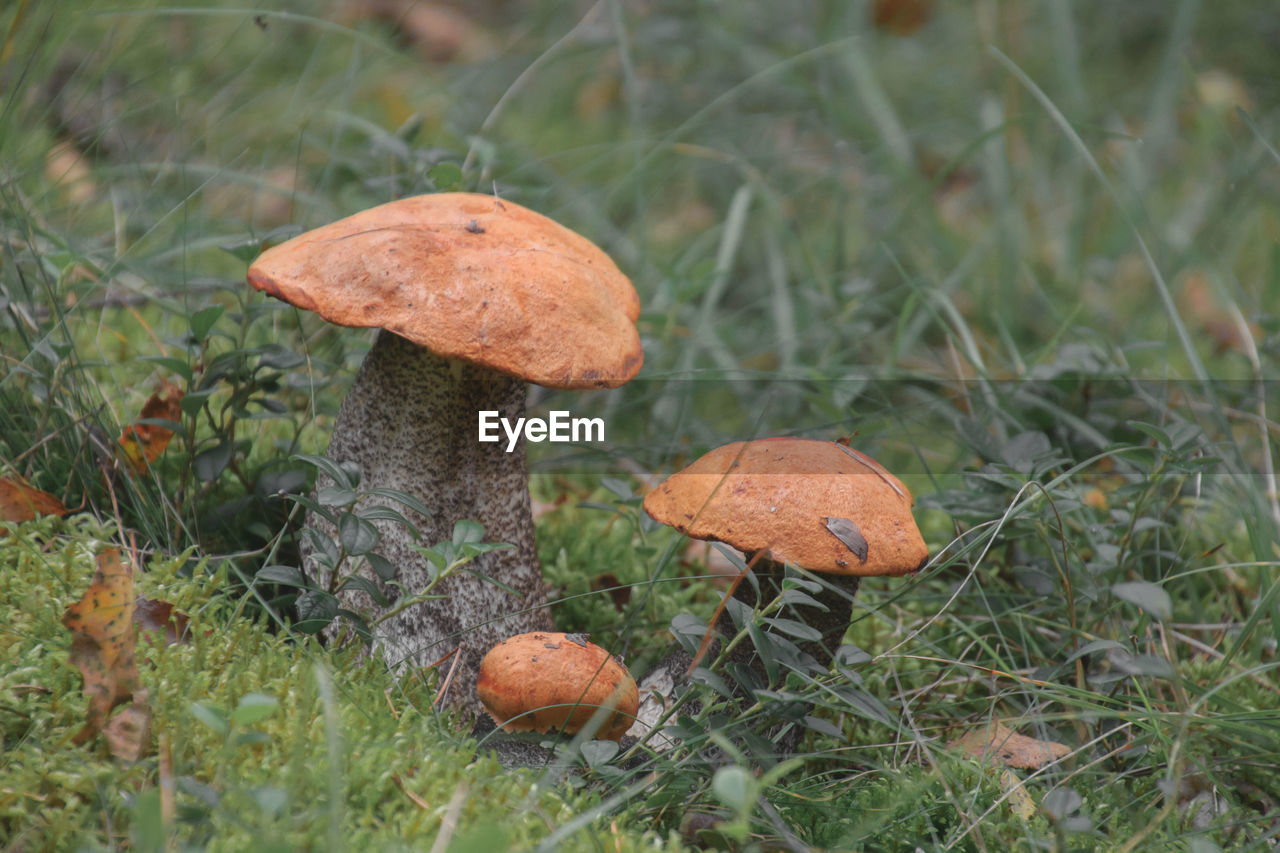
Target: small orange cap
(547,681)
(818,504)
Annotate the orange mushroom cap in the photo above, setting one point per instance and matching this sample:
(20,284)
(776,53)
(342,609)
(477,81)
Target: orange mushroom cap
(792,498)
(546,681)
(470,277)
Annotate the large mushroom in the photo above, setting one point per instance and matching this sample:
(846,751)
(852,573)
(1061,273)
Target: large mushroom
(474,297)
(819,505)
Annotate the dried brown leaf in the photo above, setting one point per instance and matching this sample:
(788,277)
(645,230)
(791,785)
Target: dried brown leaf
(160,616)
(102,647)
(142,444)
(619,593)
(20,501)
(128,733)
(901,17)
(849,535)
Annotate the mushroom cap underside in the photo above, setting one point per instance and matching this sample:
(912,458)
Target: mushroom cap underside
(469,277)
(802,501)
(546,681)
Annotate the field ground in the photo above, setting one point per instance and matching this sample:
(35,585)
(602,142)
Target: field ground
(1026,255)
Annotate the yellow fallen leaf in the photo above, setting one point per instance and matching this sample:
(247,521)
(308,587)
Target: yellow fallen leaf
(1020,801)
(102,647)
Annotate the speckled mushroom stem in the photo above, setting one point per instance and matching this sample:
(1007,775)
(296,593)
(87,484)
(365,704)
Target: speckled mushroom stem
(836,595)
(664,681)
(410,422)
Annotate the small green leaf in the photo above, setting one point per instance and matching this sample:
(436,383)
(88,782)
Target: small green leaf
(598,752)
(252,708)
(865,704)
(403,498)
(279,357)
(763,648)
(382,567)
(851,656)
(702,675)
(146,821)
(466,531)
(596,505)
(1145,665)
(1091,647)
(826,727)
(323,544)
(484,837)
(1161,437)
(1061,802)
(435,554)
(357,535)
(323,511)
(1148,596)
(177,365)
(367,586)
(281,482)
(383,513)
(795,582)
(202,321)
(796,597)
(352,470)
(472,550)
(208,464)
(177,428)
(210,716)
(799,630)
(271,801)
(619,487)
(316,610)
(1021,451)
(333,469)
(193,401)
(284,575)
(335,496)
(734,786)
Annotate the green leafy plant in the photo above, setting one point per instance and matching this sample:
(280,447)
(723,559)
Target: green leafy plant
(352,560)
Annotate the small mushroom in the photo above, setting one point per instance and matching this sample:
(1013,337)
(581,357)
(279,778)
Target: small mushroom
(546,682)
(474,297)
(817,504)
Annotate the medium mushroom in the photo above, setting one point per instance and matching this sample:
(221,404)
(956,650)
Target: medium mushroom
(819,505)
(543,682)
(474,297)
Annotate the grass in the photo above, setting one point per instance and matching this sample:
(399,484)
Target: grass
(1025,257)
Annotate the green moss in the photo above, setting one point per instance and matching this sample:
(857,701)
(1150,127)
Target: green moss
(600,567)
(322,745)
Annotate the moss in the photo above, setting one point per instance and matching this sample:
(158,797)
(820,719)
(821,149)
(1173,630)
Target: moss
(336,746)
